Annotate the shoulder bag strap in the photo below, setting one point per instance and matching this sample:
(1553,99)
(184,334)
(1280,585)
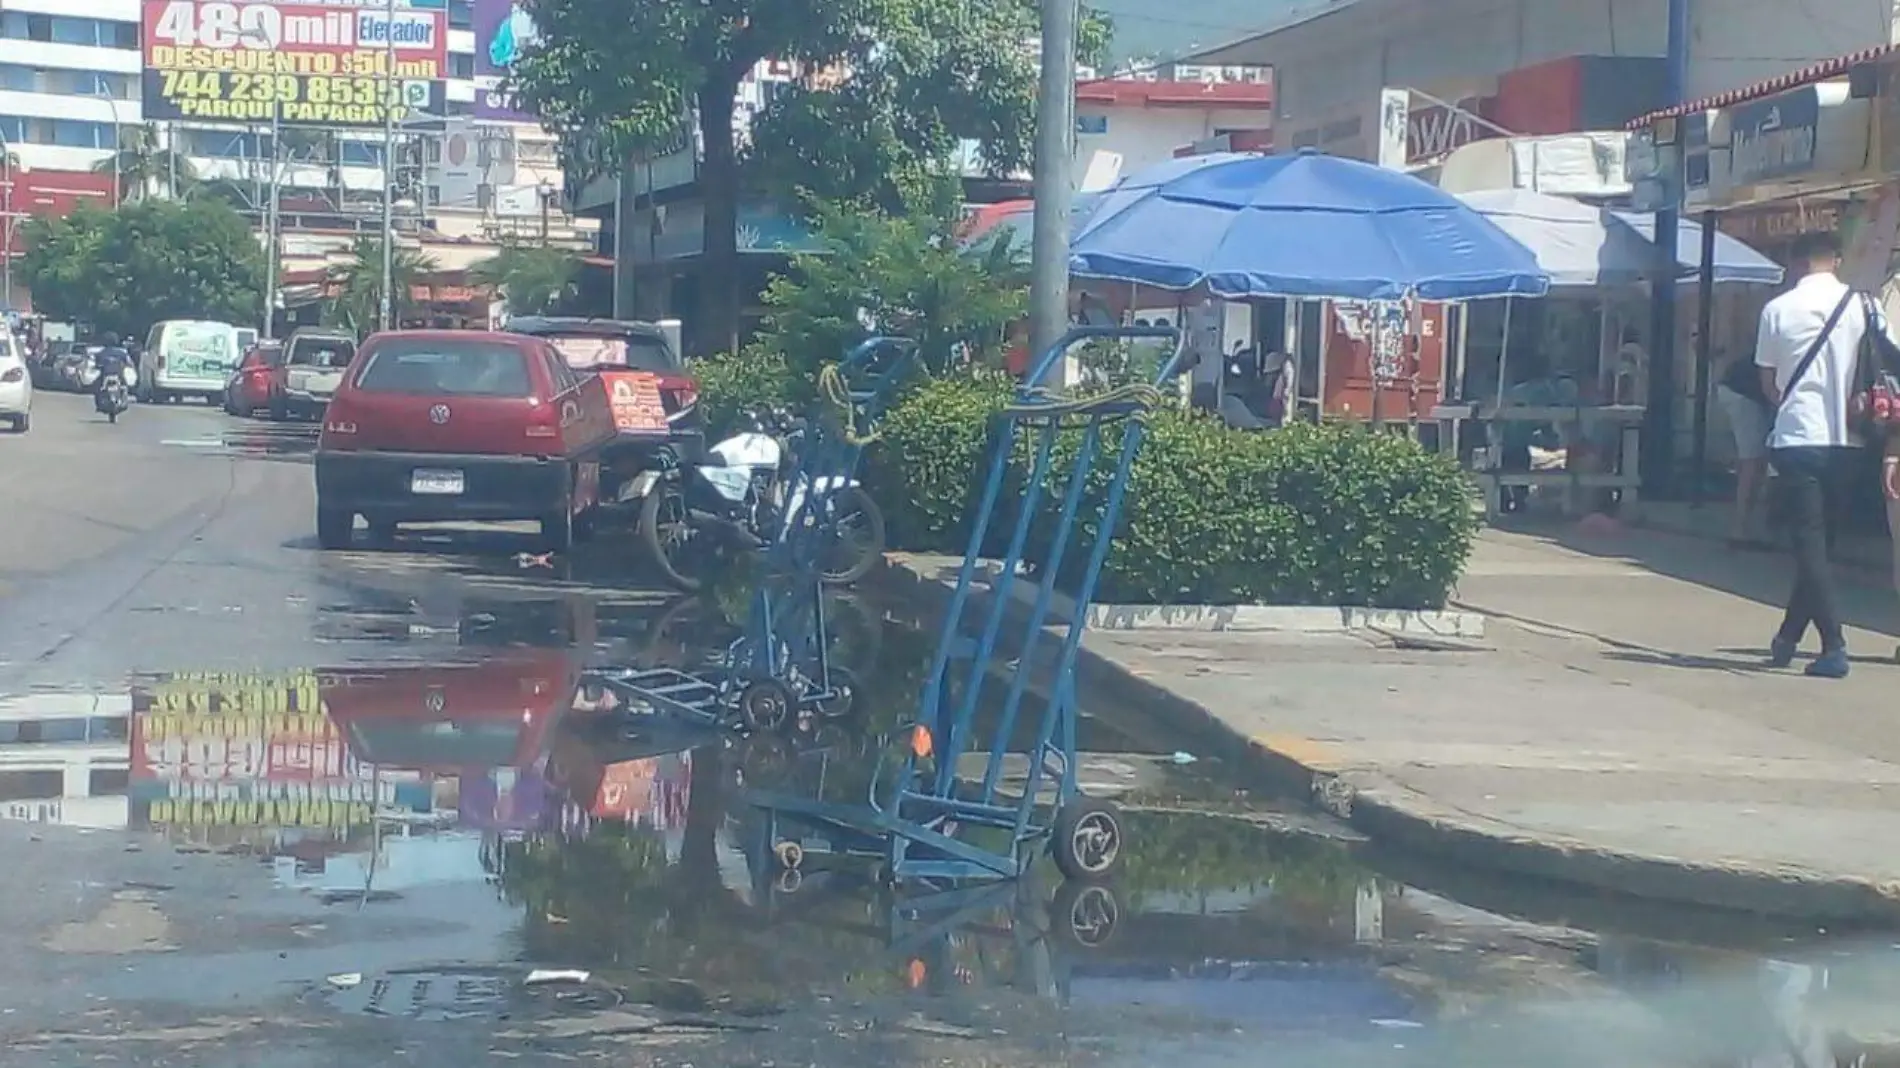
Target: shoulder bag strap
(1814,349)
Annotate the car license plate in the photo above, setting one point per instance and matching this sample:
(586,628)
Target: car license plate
(441,482)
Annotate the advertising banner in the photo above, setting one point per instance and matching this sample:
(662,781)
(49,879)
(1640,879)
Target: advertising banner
(503,28)
(304,64)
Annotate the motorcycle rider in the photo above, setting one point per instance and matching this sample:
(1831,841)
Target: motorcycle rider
(112,361)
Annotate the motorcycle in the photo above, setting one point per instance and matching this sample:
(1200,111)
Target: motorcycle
(112,398)
(749,494)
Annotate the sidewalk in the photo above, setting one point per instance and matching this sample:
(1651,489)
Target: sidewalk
(1626,738)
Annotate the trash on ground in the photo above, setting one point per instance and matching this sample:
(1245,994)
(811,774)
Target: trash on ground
(345,980)
(557,975)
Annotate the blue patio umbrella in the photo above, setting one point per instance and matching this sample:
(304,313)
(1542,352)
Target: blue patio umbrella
(1304,225)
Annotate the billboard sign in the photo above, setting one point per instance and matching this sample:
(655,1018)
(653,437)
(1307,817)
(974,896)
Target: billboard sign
(304,64)
(503,29)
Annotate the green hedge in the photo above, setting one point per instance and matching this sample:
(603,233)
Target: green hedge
(1326,514)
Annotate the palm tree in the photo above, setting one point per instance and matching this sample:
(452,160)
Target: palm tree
(533,279)
(358,303)
(143,165)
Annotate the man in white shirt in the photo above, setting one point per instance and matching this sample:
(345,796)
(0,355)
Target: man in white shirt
(1808,351)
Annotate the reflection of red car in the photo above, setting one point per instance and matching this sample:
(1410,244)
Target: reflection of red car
(249,389)
(452,718)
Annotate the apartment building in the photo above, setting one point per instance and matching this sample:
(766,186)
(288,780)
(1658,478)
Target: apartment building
(69,75)
(65,758)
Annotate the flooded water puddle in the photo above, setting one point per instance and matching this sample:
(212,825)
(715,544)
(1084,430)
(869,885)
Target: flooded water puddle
(413,841)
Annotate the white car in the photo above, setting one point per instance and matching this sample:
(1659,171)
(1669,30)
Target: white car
(16,385)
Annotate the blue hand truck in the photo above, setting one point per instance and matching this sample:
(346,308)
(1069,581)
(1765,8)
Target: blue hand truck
(929,821)
(779,668)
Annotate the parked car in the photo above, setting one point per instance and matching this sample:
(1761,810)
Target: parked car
(16,385)
(312,366)
(187,357)
(248,390)
(44,368)
(655,398)
(443,425)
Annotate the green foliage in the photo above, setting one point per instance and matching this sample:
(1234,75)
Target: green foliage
(907,275)
(358,303)
(755,378)
(1175,853)
(147,261)
(613,79)
(926,468)
(534,279)
(1306,515)
(144,166)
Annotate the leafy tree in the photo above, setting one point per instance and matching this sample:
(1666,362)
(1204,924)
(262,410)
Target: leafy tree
(904,275)
(143,165)
(534,279)
(358,304)
(612,78)
(126,269)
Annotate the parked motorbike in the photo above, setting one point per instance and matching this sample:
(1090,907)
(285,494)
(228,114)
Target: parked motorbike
(112,398)
(746,494)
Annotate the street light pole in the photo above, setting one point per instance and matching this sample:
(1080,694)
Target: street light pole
(118,144)
(6,157)
(389,163)
(272,223)
(1055,131)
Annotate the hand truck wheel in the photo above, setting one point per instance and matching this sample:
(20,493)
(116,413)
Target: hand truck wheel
(844,695)
(789,881)
(765,705)
(1087,839)
(790,855)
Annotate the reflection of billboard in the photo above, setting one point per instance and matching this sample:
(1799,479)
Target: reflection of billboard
(251,751)
(652,792)
(306,64)
(503,29)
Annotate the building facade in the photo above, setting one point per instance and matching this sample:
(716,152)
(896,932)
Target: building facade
(1332,65)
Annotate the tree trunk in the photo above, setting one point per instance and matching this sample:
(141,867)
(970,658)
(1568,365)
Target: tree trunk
(719,191)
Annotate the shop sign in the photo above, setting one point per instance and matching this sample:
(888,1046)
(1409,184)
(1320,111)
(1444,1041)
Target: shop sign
(1774,138)
(1439,130)
(1776,224)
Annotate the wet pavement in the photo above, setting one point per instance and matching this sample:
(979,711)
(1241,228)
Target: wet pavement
(269,806)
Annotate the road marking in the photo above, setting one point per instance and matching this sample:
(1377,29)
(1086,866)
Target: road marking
(194,443)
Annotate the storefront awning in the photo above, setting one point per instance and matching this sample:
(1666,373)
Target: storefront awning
(1827,68)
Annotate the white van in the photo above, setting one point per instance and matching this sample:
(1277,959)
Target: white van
(186,357)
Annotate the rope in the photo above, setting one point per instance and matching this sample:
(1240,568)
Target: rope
(835,392)
(1045,403)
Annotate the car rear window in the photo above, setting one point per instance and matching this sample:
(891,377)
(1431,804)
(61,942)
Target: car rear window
(329,353)
(587,352)
(447,368)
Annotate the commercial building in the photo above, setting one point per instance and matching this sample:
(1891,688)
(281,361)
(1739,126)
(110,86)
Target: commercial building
(64,758)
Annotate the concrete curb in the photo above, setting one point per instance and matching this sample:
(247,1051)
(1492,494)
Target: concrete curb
(1393,815)
(1284,619)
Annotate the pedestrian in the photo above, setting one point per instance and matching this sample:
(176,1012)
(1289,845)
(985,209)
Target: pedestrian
(1738,393)
(1808,351)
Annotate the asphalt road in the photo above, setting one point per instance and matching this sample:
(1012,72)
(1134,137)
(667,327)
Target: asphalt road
(181,540)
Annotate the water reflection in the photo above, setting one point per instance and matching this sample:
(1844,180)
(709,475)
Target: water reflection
(507,775)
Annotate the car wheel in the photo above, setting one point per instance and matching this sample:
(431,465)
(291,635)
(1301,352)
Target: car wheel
(586,525)
(21,423)
(334,527)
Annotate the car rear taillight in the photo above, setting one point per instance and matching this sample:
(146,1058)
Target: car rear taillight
(544,423)
(13,374)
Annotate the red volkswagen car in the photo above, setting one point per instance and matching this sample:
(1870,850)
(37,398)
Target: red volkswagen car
(248,391)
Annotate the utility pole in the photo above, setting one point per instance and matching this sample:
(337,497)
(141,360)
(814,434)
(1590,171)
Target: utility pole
(272,222)
(1659,411)
(1054,186)
(12,165)
(388,314)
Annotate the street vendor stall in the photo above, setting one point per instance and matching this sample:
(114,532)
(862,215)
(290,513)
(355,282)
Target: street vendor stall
(1557,386)
(1379,248)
